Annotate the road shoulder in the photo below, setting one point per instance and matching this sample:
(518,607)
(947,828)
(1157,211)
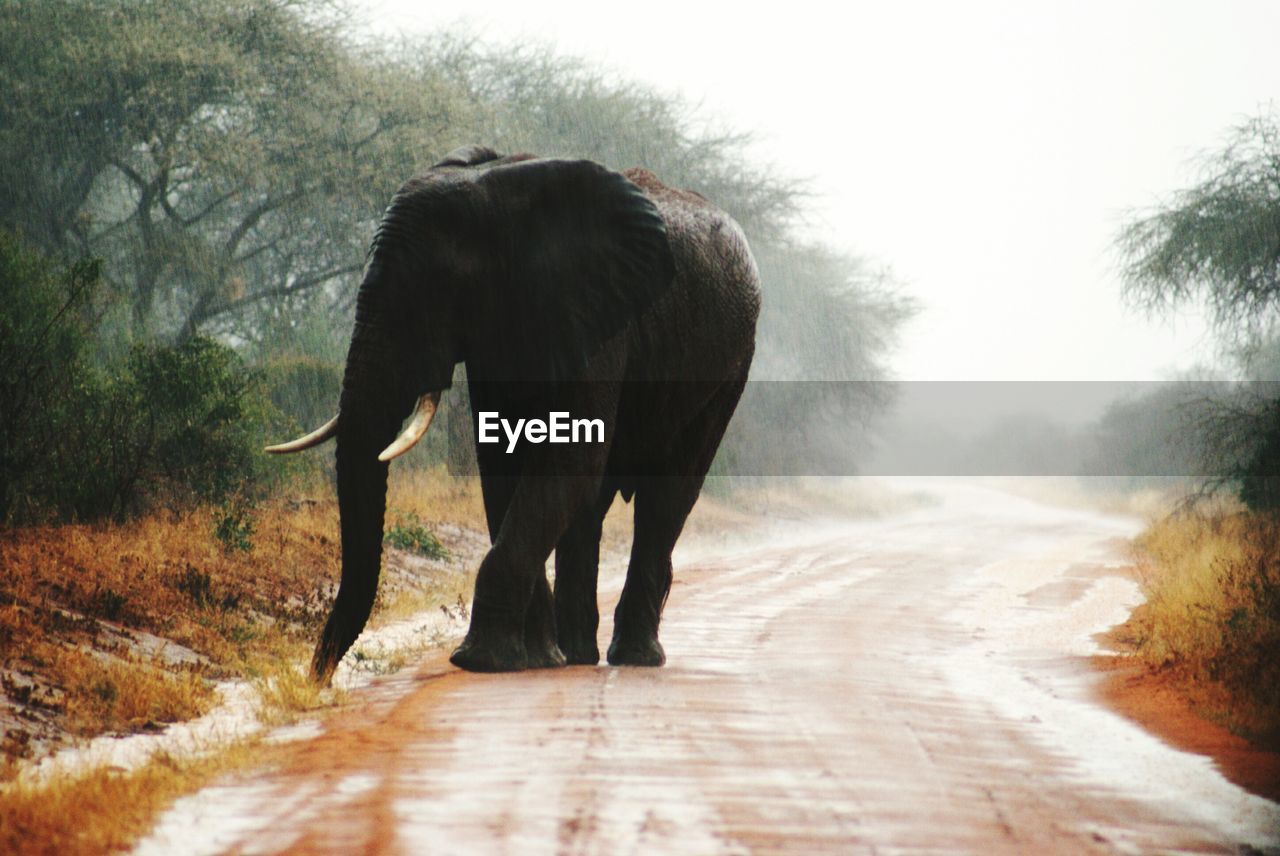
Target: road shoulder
(1154,702)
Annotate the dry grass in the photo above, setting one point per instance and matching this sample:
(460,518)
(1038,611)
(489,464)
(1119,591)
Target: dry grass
(122,695)
(285,690)
(105,810)
(437,497)
(119,628)
(170,576)
(1212,616)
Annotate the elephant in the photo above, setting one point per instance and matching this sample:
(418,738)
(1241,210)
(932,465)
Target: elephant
(563,287)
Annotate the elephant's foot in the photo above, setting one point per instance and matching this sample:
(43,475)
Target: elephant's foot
(645,651)
(580,652)
(490,655)
(494,643)
(546,656)
(576,630)
(540,630)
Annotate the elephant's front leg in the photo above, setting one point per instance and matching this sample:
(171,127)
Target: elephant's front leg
(512,620)
(540,628)
(495,641)
(512,616)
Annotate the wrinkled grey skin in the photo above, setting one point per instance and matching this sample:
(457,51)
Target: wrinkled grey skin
(562,286)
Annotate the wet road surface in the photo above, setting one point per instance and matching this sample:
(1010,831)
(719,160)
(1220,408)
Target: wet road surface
(912,684)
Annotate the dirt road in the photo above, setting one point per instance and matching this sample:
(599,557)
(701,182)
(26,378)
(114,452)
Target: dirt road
(909,684)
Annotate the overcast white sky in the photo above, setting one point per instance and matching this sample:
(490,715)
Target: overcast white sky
(985,151)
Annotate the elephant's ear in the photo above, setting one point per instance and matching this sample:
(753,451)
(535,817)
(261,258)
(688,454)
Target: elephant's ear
(582,253)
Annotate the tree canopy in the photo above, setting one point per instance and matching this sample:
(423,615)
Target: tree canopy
(228,162)
(1219,240)
(221,156)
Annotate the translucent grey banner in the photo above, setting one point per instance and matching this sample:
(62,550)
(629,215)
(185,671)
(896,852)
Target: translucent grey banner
(1136,430)
(1194,429)
(984,428)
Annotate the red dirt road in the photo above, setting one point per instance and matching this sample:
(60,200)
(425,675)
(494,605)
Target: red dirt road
(909,684)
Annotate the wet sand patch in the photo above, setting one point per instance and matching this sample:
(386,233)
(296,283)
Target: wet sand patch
(1153,701)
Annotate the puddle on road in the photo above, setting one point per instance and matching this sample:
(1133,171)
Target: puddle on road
(1018,663)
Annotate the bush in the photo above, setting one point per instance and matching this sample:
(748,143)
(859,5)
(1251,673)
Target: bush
(173,424)
(303,389)
(234,526)
(409,533)
(46,331)
(177,424)
(203,412)
(1259,475)
(1213,612)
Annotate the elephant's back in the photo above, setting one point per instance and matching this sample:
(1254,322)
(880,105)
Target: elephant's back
(705,326)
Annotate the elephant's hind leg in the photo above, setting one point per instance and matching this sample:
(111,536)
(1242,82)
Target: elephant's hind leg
(662,505)
(577,571)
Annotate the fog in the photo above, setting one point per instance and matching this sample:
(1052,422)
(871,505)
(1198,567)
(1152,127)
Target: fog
(985,154)
(985,151)
(933,192)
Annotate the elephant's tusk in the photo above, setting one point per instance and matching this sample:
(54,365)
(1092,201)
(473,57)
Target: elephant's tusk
(315,438)
(423,413)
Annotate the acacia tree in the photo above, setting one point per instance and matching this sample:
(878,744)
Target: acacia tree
(1219,242)
(226,158)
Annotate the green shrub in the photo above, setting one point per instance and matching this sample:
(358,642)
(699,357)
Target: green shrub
(1259,475)
(409,533)
(174,425)
(303,393)
(168,425)
(234,526)
(45,339)
(201,413)
(304,389)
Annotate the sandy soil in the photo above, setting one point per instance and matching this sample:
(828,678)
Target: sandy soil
(1154,702)
(918,683)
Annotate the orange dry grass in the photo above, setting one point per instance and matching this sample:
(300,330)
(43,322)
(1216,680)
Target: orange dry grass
(88,613)
(435,497)
(105,810)
(1212,615)
(124,694)
(150,573)
(168,575)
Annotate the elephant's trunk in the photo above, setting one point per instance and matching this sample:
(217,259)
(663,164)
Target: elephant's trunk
(374,402)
